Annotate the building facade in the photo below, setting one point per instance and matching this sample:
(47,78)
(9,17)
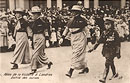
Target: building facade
(27,4)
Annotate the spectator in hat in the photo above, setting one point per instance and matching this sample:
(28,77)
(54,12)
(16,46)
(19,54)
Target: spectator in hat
(80,4)
(39,27)
(76,26)
(111,48)
(21,52)
(3,33)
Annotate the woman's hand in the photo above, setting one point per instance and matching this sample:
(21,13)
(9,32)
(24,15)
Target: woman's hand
(47,43)
(60,41)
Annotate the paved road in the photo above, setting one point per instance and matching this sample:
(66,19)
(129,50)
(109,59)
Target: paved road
(61,59)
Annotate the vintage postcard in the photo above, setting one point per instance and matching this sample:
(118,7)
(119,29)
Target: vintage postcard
(64,41)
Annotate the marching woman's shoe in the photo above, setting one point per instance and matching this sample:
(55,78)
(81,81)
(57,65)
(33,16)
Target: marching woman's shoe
(69,74)
(49,65)
(86,70)
(15,66)
(102,80)
(33,71)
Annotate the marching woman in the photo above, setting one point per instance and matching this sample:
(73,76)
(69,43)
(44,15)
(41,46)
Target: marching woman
(39,27)
(21,52)
(111,47)
(76,26)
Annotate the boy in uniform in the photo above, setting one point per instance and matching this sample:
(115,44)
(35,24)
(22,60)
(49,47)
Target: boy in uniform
(111,48)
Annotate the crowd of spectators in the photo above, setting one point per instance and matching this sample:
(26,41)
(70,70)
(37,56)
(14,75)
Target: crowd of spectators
(57,20)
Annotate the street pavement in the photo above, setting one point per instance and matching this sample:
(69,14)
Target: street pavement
(60,57)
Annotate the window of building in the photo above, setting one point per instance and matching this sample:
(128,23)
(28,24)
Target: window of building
(4,5)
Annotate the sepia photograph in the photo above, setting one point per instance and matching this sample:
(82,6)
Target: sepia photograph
(65,41)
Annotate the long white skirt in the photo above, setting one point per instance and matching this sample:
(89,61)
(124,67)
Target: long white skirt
(78,43)
(21,52)
(39,58)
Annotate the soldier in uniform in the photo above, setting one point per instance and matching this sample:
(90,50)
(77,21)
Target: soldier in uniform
(111,47)
(76,26)
(21,52)
(39,27)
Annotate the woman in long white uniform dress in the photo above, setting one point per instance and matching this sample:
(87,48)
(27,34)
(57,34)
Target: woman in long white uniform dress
(21,52)
(76,25)
(38,28)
